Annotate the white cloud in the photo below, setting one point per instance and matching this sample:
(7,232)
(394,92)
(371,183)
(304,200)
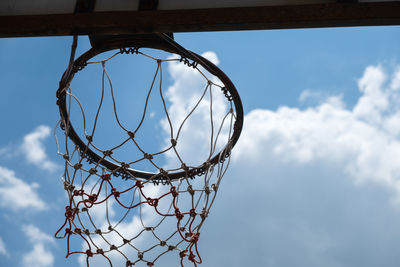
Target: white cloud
(34,149)
(312,96)
(395,84)
(35,235)
(364,140)
(40,255)
(374,100)
(3,151)
(3,249)
(15,194)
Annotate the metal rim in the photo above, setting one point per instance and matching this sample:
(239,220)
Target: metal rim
(162,42)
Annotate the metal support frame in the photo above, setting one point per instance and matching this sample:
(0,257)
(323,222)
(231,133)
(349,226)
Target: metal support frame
(197,20)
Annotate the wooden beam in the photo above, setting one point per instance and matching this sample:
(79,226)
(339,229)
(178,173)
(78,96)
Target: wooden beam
(197,20)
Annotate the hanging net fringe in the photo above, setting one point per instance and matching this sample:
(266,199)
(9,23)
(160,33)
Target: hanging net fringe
(152,220)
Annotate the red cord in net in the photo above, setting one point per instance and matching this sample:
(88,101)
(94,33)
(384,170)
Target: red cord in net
(84,201)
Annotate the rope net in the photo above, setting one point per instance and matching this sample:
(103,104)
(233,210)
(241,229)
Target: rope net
(113,216)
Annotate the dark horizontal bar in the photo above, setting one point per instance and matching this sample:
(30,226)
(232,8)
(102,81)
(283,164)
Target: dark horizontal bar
(199,20)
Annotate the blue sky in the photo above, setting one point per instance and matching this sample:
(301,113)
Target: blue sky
(314,179)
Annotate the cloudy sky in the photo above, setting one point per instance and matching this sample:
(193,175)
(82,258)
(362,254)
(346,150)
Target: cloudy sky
(313,181)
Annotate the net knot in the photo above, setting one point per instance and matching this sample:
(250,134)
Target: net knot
(124,165)
(100,251)
(77,166)
(78,231)
(126,241)
(214,187)
(106,177)
(173,191)
(139,184)
(110,228)
(98,231)
(68,231)
(140,255)
(86,232)
(163,243)
(207,190)
(84,209)
(194,238)
(192,257)
(173,142)
(184,167)
(152,202)
(89,138)
(190,190)
(131,134)
(193,213)
(182,254)
(170,248)
(69,213)
(68,186)
(204,214)
(150,264)
(129,263)
(89,253)
(115,192)
(178,214)
(92,171)
(92,198)
(107,153)
(78,192)
(148,156)
(113,247)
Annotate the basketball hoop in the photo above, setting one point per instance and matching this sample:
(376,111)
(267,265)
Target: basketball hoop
(187,190)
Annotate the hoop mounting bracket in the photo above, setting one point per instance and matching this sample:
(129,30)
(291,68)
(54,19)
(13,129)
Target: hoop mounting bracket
(98,40)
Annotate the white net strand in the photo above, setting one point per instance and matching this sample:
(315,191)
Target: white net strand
(166,218)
